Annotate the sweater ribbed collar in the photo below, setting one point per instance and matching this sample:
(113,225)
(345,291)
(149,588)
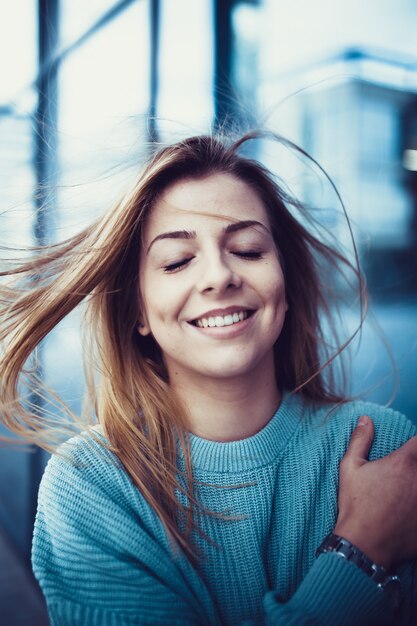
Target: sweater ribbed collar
(260,449)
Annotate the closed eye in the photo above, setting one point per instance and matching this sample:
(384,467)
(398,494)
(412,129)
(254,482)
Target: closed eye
(172,267)
(249,254)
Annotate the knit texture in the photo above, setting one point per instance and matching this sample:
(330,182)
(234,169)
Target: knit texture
(102,557)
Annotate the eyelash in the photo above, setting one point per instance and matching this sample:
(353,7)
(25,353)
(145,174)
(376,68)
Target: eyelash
(173,267)
(250,255)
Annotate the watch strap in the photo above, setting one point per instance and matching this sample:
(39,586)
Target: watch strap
(344,548)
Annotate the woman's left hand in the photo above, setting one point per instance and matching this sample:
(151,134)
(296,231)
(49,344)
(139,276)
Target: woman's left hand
(378,499)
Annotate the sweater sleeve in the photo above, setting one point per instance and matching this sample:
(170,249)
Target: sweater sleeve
(99,564)
(335,591)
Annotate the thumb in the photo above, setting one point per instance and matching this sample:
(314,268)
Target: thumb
(361,441)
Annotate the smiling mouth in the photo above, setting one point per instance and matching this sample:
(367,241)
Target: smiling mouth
(218,321)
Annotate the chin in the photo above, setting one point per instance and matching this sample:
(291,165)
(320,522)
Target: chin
(228,371)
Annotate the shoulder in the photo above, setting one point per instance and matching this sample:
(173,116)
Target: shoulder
(99,551)
(85,482)
(83,463)
(333,425)
(89,508)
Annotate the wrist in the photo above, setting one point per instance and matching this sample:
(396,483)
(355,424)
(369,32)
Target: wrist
(388,584)
(366,544)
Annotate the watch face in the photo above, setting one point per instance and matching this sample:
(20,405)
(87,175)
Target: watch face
(392,588)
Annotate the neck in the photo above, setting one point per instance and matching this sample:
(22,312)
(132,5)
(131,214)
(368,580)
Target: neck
(229,409)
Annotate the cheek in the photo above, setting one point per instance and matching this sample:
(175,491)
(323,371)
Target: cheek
(280,285)
(283,293)
(275,286)
(161,301)
(279,306)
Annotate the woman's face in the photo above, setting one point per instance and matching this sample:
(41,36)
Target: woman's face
(212,287)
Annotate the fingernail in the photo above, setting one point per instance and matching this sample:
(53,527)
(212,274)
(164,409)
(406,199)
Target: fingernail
(363,420)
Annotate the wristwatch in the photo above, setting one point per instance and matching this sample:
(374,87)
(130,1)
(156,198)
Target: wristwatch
(390,585)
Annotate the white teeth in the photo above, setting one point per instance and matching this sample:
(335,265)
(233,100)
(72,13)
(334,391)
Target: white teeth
(219,320)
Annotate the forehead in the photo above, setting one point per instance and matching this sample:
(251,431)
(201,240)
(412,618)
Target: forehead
(216,198)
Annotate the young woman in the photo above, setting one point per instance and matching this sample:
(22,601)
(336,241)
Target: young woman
(205,491)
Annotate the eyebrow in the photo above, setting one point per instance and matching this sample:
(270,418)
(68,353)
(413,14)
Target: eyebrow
(191,234)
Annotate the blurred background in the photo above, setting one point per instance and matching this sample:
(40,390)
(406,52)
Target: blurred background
(87,87)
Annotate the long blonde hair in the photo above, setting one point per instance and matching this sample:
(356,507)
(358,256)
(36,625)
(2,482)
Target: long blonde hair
(127,384)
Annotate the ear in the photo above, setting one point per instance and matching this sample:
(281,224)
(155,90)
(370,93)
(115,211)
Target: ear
(143,329)
(142,325)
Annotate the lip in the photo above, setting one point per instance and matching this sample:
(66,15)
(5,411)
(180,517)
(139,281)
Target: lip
(222,312)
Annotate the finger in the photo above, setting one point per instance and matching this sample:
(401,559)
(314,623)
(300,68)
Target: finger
(361,441)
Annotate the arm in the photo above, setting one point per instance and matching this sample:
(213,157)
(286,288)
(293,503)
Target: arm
(333,592)
(91,573)
(377,513)
(98,563)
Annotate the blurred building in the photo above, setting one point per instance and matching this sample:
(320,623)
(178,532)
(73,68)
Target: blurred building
(355,113)
(359,130)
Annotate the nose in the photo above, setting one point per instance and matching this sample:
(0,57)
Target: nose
(218,275)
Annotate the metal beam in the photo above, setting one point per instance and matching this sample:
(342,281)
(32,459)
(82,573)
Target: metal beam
(155,10)
(44,161)
(45,139)
(226,99)
(224,109)
(56,59)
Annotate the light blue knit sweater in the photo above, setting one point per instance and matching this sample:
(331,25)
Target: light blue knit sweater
(102,557)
